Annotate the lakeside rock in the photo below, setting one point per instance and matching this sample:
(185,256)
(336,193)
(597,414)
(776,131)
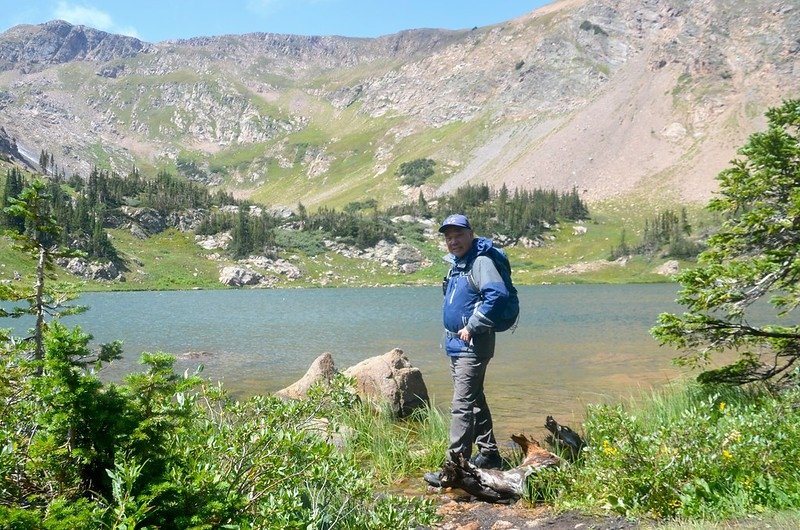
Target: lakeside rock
(392,378)
(387,378)
(669,268)
(239,276)
(321,370)
(91,270)
(276,266)
(402,257)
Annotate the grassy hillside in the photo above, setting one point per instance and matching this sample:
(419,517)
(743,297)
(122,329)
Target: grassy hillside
(172,260)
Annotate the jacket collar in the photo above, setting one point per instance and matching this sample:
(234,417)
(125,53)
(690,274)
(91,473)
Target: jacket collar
(480,246)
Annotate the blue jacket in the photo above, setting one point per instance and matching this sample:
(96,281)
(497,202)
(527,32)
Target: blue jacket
(475,294)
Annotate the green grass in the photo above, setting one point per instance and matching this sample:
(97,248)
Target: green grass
(14,262)
(172,260)
(686,452)
(393,449)
(788,520)
(169,260)
(604,232)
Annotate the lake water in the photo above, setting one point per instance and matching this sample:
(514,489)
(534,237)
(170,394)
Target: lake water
(575,344)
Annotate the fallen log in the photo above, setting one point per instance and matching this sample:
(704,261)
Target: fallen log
(494,485)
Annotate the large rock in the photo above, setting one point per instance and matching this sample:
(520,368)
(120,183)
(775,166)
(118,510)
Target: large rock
(321,370)
(92,270)
(400,256)
(150,220)
(276,266)
(211,242)
(239,276)
(186,220)
(392,378)
(669,268)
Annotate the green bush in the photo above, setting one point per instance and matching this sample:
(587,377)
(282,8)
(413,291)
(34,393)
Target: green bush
(310,243)
(700,453)
(416,172)
(171,451)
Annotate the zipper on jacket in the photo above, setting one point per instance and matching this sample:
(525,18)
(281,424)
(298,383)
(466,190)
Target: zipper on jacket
(453,292)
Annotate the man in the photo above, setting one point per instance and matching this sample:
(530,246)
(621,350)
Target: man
(474,292)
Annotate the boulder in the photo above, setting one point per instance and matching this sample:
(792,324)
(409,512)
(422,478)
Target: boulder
(321,370)
(669,268)
(220,240)
(280,212)
(104,271)
(275,266)
(186,220)
(91,270)
(392,378)
(138,232)
(401,256)
(147,218)
(239,276)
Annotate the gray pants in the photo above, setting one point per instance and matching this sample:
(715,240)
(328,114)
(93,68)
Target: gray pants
(471,420)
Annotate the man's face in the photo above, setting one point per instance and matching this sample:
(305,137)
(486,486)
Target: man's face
(458,239)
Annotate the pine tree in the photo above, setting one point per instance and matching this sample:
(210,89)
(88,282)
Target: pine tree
(754,256)
(41,241)
(13,187)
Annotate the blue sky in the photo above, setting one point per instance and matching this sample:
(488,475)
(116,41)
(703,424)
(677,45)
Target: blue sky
(157,20)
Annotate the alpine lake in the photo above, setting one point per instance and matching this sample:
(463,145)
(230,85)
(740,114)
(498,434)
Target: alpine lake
(574,344)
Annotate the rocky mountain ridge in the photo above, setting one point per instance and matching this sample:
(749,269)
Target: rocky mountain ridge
(614,97)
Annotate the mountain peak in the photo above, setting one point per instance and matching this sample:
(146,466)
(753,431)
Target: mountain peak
(609,97)
(35,47)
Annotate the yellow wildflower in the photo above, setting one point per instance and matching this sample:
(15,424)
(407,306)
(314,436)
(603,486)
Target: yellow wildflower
(727,455)
(609,449)
(721,406)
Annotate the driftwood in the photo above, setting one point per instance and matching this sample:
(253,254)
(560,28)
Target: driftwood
(494,485)
(563,437)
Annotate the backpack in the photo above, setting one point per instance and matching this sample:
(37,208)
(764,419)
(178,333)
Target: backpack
(508,319)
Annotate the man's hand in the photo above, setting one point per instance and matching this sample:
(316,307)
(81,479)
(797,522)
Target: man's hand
(465,335)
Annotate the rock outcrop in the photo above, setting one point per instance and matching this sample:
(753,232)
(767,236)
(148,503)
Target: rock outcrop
(669,268)
(212,242)
(275,266)
(321,370)
(55,42)
(234,276)
(147,220)
(391,377)
(91,270)
(401,257)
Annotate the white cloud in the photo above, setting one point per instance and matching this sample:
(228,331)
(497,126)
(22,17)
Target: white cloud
(263,7)
(92,17)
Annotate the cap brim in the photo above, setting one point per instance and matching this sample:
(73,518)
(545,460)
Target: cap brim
(445,227)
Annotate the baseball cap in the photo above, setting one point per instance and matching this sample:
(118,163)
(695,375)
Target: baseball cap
(456,219)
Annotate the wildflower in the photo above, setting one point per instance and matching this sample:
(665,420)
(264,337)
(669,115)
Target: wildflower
(721,406)
(727,455)
(609,449)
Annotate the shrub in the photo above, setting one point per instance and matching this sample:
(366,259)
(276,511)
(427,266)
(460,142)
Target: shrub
(171,451)
(707,453)
(416,172)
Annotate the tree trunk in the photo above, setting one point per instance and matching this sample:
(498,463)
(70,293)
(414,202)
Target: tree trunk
(39,305)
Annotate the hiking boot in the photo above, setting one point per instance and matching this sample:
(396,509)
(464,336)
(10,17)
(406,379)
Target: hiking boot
(487,460)
(433,478)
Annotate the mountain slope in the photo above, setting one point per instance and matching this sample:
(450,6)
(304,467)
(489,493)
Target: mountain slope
(614,97)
